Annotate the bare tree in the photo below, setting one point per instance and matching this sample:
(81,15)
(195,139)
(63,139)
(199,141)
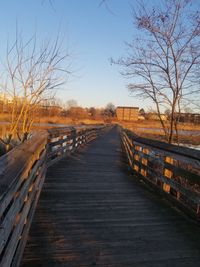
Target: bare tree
(33,75)
(71,103)
(164,61)
(110,110)
(77,113)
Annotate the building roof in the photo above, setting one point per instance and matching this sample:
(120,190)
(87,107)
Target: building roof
(128,107)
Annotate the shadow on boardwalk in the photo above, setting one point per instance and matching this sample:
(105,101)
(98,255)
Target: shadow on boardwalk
(93,213)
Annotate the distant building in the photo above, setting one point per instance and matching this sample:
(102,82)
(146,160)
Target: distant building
(127,113)
(155,117)
(189,118)
(141,117)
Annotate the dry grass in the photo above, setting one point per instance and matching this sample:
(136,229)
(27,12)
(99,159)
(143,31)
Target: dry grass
(5,117)
(66,121)
(147,128)
(55,120)
(157,125)
(42,124)
(153,130)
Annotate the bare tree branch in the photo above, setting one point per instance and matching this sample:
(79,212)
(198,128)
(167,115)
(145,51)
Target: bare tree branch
(165,64)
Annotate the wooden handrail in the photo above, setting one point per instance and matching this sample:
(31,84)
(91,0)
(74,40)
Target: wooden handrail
(22,174)
(190,153)
(171,170)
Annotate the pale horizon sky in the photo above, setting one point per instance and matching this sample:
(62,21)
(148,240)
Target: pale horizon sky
(91,33)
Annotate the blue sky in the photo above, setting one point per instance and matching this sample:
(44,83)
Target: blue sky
(92,34)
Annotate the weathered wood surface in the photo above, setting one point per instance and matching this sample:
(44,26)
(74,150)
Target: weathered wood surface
(22,173)
(93,213)
(172,170)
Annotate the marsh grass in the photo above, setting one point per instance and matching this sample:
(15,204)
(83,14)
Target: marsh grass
(188,133)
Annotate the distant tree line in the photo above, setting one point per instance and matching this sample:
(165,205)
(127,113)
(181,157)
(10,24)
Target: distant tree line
(55,108)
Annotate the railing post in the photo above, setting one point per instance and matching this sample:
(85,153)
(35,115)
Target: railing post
(171,170)
(167,173)
(22,174)
(73,138)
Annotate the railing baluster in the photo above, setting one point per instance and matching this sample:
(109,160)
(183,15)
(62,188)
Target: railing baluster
(22,174)
(172,170)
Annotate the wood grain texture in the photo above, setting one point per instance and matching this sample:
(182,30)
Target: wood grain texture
(175,174)
(93,213)
(165,147)
(22,173)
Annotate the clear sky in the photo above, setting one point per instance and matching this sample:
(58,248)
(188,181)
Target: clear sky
(92,34)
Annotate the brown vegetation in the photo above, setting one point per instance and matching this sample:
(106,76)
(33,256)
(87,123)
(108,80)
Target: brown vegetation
(153,130)
(32,74)
(163,62)
(48,114)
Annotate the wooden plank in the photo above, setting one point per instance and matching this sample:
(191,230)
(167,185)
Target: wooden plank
(8,221)
(21,182)
(162,168)
(182,151)
(14,168)
(18,229)
(93,213)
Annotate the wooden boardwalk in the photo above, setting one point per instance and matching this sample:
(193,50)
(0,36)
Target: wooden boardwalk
(93,213)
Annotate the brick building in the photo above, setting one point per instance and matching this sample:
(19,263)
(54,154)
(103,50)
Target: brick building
(189,118)
(127,113)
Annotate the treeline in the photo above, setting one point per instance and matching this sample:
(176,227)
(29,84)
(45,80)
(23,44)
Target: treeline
(55,108)
(76,113)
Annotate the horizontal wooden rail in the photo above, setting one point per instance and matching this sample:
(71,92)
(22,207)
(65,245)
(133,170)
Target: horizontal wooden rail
(172,170)
(22,173)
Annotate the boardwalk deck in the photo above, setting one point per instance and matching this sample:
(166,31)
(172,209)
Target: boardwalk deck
(93,213)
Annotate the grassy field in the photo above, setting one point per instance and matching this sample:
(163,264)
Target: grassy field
(188,133)
(156,124)
(47,123)
(54,120)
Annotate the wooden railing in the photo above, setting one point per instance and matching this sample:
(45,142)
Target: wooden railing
(22,174)
(172,170)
